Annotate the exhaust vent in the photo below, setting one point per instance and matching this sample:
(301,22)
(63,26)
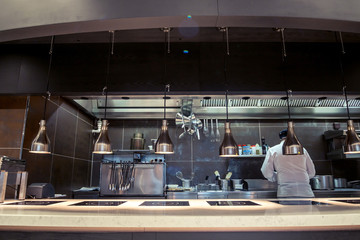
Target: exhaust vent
(299,102)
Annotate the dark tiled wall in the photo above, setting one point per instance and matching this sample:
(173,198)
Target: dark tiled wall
(201,156)
(12,114)
(69,130)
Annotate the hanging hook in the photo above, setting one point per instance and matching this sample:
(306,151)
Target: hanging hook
(342,44)
(51,45)
(104,90)
(225,31)
(112,41)
(289,92)
(167,30)
(227,41)
(283,42)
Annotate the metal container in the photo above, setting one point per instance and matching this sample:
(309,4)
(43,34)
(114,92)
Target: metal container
(236,184)
(138,142)
(224,184)
(186,183)
(322,182)
(340,182)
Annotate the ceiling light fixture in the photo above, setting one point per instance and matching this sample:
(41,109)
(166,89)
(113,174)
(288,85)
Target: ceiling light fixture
(41,143)
(103,144)
(228,147)
(164,144)
(291,145)
(352,141)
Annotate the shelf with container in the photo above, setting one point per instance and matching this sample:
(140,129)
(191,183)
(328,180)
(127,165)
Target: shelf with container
(335,140)
(251,156)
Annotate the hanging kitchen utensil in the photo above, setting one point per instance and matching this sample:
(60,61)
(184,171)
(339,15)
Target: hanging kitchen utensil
(190,124)
(206,129)
(179,175)
(212,133)
(217,135)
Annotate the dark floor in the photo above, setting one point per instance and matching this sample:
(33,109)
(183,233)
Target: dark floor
(293,235)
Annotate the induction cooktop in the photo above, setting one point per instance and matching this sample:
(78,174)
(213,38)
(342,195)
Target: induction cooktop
(165,203)
(99,203)
(34,203)
(232,203)
(299,202)
(355,201)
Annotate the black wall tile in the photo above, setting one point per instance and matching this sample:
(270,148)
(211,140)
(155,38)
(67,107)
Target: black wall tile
(348,169)
(61,175)
(12,112)
(80,174)
(65,133)
(83,140)
(15,153)
(323,167)
(95,173)
(38,166)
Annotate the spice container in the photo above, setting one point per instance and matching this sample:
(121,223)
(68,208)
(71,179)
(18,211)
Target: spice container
(240,149)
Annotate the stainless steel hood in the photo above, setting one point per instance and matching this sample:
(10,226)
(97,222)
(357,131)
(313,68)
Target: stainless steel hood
(213,106)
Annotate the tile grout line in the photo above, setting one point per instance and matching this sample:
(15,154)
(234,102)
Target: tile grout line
(59,106)
(24,126)
(53,147)
(73,158)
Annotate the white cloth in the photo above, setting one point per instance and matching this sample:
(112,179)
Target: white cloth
(292,172)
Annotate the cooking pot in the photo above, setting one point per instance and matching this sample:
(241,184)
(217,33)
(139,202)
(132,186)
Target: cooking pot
(322,182)
(340,182)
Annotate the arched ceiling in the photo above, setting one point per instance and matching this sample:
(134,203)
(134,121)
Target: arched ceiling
(24,19)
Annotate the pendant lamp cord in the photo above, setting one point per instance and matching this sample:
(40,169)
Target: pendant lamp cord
(227,53)
(341,56)
(227,111)
(111,52)
(48,75)
(284,55)
(166,31)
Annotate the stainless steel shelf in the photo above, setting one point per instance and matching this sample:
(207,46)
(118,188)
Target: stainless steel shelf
(339,154)
(250,156)
(132,150)
(336,134)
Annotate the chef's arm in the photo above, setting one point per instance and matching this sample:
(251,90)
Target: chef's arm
(267,168)
(309,165)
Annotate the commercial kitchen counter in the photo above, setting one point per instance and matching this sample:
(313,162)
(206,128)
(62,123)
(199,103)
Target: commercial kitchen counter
(186,215)
(257,194)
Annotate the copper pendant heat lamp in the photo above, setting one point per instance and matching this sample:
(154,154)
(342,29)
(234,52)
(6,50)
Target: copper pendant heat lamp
(228,147)
(164,144)
(41,143)
(352,141)
(291,145)
(103,144)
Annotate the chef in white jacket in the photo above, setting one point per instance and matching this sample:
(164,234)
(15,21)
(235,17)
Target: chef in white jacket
(292,172)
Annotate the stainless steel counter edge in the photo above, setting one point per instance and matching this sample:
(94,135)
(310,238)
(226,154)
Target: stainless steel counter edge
(257,194)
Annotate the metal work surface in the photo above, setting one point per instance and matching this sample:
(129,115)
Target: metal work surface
(338,193)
